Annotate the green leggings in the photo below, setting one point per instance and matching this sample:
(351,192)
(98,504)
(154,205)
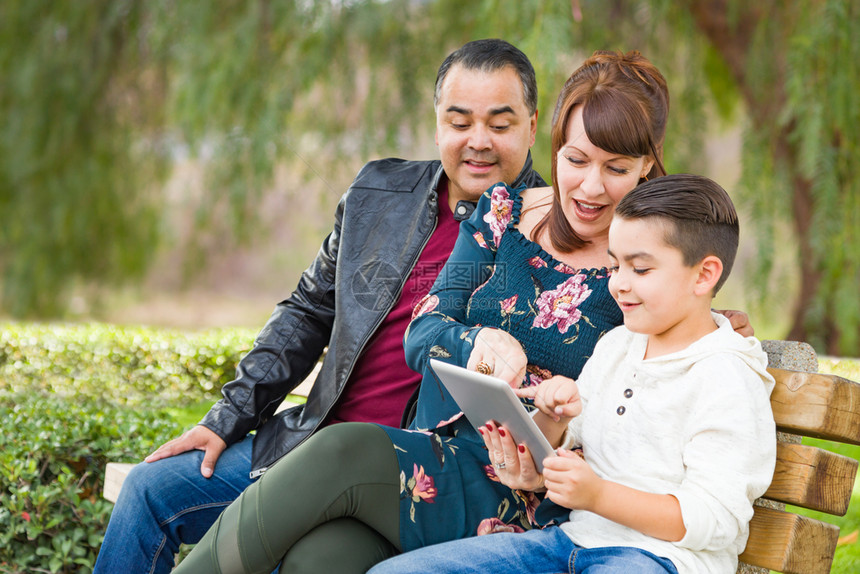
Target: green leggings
(332,503)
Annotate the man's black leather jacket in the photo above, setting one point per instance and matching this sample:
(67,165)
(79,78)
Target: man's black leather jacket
(382,224)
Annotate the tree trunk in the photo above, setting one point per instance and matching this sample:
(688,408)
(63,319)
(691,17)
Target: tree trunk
(732,41)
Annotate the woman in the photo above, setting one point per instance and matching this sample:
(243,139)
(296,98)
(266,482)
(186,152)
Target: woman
(530,266)
(671,412)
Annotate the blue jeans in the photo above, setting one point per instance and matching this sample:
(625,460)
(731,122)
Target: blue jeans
(166,503)
(547,551)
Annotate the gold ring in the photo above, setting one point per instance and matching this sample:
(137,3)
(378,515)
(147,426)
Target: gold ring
(483,368)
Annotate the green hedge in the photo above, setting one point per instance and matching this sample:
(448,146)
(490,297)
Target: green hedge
(126,365)
(52,459)
(73,398)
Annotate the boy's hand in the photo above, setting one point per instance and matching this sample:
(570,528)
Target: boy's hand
(512,463)
(570,482)
(556,397)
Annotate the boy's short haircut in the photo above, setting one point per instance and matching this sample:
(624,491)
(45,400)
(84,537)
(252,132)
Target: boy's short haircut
(700,216)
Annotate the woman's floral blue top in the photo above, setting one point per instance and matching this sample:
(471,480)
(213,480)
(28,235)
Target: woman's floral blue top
(495,277)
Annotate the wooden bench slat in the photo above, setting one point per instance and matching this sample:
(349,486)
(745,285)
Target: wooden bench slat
(812,404)
(790,543)
(115,473)
(813,478)
(304,388)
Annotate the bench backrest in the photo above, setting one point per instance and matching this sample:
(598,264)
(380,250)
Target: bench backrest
(812,405)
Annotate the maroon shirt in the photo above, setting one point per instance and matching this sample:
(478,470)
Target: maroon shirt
(381,383)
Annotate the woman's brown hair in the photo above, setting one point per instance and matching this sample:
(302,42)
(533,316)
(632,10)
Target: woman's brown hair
(625,104)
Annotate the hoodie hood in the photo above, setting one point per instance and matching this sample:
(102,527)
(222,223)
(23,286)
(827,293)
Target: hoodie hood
(722,341)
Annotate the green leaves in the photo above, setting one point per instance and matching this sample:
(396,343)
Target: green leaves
(125,365)
(52,460)
(102,100)
(72,399)
(73,197)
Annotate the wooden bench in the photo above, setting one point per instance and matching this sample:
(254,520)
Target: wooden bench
(812,405)
(804,404)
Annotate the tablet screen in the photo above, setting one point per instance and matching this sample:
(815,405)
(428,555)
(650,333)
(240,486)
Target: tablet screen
(485,398)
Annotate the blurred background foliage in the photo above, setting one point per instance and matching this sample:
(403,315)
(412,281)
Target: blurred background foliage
(72,399)
(141,135)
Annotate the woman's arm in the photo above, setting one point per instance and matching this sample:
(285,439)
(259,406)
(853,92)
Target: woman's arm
(439,328)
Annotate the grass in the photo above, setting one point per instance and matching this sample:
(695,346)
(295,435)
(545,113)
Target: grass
(847,558)
(186,417)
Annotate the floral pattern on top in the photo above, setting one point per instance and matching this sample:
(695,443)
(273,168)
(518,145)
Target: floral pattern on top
(420,486)
(560,306)
(493,525)
(509,309)
(565,268)
(498,278)
(501,210)
(537,262)
(479,239)
(425,305)
(535,376)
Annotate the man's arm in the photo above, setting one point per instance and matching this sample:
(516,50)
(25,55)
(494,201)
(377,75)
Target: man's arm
(284,353)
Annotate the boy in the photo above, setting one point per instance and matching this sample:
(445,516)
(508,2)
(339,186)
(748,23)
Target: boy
(671,412)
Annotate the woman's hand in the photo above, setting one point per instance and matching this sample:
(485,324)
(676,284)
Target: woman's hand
(513,464)
(503,354)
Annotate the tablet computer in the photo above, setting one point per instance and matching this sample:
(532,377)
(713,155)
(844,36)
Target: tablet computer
(485,398)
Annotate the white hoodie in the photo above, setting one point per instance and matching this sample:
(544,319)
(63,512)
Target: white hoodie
(695,424)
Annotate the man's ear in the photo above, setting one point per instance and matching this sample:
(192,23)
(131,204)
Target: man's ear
(533,128)
(710,271)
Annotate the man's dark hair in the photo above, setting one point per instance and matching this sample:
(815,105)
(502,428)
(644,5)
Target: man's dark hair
(700,217)
(489,56)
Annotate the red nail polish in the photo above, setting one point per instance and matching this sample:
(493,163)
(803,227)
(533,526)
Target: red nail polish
(521,448)
(501,431)
(481,430)
(489,427)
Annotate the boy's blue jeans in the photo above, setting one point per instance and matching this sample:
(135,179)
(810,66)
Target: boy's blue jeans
(166,503)
(546,551)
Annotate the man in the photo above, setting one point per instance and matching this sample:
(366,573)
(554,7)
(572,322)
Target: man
(394,229)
